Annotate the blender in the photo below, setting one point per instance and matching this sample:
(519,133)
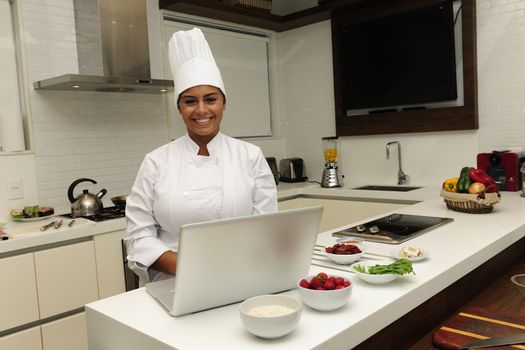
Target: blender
(331,176)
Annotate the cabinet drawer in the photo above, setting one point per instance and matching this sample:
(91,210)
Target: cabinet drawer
(66,278)
(19,302)
(66,334)
(29,339)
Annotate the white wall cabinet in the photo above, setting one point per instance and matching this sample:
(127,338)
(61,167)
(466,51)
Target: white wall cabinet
(9,92)
(65,334)
(110,264)
(66,278)
(19,301)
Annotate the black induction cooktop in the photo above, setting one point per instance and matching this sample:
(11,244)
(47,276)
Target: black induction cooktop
(394,228)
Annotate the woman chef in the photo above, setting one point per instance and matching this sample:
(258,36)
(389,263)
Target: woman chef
(203,175)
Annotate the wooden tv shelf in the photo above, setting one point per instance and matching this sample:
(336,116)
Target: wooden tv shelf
(219,10)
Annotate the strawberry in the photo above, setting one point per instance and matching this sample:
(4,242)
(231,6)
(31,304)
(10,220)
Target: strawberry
(304,283)
(319,288)
(315,283)
(339,281)
(322,276)
(329,284)
(339,287)
(346,283)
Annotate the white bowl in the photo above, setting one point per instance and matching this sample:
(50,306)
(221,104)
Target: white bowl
(345,259)
(374,279)
(325,300)
(269,322)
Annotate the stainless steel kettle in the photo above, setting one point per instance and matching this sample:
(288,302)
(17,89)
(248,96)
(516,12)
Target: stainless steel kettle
(86,204)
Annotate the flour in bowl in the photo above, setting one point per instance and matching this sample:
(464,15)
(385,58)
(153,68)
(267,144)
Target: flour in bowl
(270,311)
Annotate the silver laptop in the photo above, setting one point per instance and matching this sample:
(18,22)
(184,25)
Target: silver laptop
(225,261)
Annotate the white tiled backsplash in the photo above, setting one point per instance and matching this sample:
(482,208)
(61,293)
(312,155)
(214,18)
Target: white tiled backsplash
(99,136)
(105,136)
(308,92)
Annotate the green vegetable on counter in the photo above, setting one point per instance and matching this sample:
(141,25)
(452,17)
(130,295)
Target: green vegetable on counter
(464,180)
(399,267)
(31,211)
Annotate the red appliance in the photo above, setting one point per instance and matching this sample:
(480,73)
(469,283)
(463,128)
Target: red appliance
(504,168)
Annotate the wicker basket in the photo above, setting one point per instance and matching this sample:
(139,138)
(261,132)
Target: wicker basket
(481,203)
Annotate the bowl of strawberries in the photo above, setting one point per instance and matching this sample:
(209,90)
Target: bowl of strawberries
(323,292)
(342,253)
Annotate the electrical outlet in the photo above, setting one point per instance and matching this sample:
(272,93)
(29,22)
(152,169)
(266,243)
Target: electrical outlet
(15,189)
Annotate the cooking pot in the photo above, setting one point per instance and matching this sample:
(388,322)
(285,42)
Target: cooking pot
(120,201)
(86,204)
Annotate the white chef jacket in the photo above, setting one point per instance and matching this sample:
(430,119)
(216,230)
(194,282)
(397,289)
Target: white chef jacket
(175,186)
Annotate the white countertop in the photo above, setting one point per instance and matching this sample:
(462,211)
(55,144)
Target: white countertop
(27,235)
(313,189)
(24,235)
(454,250)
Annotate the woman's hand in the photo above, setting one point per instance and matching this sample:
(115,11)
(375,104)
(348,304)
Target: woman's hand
(167,262)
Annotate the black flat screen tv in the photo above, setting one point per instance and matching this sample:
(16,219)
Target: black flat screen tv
(397,60)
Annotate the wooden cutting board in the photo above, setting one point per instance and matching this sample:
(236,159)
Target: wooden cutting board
(474,323)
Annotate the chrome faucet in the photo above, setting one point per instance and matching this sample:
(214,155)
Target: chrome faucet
(402,178)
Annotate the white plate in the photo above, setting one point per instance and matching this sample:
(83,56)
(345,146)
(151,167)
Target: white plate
(39,218)
(351,240)
(395,254)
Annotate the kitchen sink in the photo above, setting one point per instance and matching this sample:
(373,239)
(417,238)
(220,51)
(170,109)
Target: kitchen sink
(386,188)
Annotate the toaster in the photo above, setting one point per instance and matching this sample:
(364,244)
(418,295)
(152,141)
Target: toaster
(504,168)
(272,163)
(292,170)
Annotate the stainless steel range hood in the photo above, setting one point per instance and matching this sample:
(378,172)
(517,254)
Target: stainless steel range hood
(112,48)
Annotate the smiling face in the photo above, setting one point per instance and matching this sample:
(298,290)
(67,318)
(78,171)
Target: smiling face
(201,108)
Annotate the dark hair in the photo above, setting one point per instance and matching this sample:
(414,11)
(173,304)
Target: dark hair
(222,93)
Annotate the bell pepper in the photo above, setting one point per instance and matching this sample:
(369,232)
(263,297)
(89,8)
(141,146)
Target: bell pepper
(479,175)
(464,180)
(451,185)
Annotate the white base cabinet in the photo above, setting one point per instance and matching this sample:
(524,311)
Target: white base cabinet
(19,301)
(339,212)
(53,282)
(66,334)
(66,278)
(110,264)
(30,339)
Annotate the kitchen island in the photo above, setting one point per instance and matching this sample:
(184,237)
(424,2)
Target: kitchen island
(134,320)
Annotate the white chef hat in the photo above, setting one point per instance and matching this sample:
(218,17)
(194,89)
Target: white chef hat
(192,62)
